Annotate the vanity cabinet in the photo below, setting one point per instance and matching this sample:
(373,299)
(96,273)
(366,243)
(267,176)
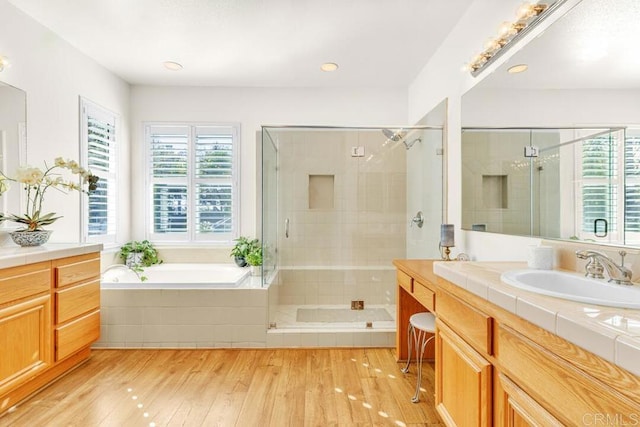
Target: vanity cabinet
(77,302)
(49,317)
(494,368)
(25,324)
(463,381)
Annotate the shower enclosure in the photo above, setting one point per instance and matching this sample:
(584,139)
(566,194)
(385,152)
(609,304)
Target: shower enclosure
(334,216)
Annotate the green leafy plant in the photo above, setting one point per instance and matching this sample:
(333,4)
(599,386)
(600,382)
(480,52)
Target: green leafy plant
(254,258)
(148,257)
(243,247)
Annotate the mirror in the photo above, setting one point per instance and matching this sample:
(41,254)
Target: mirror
(580,91)
(13,140)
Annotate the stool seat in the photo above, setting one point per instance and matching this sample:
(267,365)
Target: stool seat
(420,325)
(424,321)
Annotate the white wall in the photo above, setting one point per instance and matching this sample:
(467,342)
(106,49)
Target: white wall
(55,75)
(443,77)
(548,108)
(253,107)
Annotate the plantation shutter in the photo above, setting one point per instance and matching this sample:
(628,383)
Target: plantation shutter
(193,173)
(214,185)
(599,189)
(101,159)
(169,156)
(632,183)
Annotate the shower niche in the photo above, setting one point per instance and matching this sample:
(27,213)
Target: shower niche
(332,223)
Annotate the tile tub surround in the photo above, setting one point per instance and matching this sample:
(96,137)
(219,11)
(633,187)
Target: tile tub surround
(609,332)
(185,318)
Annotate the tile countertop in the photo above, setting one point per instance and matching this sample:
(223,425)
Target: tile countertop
(13,256)
(609,332)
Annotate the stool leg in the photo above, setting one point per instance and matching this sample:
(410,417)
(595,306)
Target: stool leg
(411,335)
(423,344)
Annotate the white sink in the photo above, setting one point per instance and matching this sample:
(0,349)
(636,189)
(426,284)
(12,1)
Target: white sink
(574,287)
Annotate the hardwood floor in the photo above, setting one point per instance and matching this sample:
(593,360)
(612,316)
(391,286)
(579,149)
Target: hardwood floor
(232,387)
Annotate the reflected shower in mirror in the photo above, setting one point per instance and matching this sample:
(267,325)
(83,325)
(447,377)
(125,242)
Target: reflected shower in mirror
(582,75)
(13,122)
(553,183)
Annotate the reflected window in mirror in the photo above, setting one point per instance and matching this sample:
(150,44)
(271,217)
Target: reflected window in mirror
(100,150)
(632,186)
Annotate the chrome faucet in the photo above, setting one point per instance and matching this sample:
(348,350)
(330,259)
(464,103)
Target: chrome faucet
(598,262)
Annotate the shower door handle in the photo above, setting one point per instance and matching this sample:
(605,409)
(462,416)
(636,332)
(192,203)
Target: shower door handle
(286,228)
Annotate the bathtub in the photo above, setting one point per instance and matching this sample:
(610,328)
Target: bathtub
(176,276)
(182,306)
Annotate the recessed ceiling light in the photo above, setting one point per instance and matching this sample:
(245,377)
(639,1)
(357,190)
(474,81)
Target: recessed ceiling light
(329,66)
(172,65)
(520,68)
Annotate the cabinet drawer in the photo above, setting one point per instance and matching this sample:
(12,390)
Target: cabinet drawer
(473,325)
(24,281)
(405,281)
(76,300)
(424,295)
(77,334)
(563,390)
(74,272)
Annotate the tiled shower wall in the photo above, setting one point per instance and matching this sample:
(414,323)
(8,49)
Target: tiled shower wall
(366,225)
(341,242)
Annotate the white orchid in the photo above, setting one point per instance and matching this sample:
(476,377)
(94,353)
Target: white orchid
(36,182)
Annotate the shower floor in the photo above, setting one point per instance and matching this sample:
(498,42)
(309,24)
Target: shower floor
(335,318)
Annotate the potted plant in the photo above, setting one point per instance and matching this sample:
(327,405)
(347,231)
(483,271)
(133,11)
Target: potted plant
(254,259)
(243,247)
(35,182)
(139,254)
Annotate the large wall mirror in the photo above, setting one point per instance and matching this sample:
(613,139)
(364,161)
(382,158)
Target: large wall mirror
(13,140)
(554,151)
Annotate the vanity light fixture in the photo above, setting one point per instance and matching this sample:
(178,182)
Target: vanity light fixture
(4,62)
(520,68)
(172,65)
(529,14)
(329,66)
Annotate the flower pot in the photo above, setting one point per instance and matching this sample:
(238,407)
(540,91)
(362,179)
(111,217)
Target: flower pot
(240,261)
(256,270)
(133,259)
(30,238)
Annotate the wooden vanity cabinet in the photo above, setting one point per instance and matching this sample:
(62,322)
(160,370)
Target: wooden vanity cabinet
(494,368)
(25,324)
(463,381)
(463,372)
(49,316)
(77,302)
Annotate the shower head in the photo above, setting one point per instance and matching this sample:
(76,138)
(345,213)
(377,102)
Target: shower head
(399,137)
(393,136)
(408,145)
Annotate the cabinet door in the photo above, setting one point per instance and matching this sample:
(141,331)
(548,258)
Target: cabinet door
(463,381)
(520,409)
(25,341)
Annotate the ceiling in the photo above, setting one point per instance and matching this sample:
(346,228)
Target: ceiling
(274,43)
(594,46)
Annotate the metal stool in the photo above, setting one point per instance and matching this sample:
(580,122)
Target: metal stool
(424,323)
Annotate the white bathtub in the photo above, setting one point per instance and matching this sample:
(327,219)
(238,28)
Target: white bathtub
(177,276)
(183,306)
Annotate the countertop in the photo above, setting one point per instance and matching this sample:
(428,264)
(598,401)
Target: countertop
(13,256)
(609,332)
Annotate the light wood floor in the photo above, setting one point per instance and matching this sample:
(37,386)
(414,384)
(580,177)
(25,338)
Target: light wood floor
(230,387)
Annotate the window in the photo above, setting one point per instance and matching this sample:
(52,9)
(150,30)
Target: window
(99,152)
(607,194)
(192,182)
